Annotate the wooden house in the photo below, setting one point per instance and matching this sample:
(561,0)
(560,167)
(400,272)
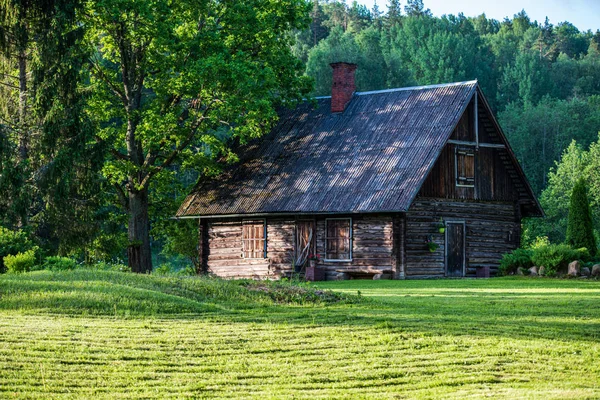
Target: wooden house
(419,181)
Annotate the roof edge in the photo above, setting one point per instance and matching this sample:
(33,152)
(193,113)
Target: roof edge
(423,87)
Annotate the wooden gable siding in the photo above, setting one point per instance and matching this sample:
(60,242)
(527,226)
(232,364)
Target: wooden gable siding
(492,183)
(372,246)
(492,180)
(492,229)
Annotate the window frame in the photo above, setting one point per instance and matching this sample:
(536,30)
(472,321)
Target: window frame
(467,153)
(256,221)
(350,240)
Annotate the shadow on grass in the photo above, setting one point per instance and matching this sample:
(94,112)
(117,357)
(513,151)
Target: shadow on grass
(517,308)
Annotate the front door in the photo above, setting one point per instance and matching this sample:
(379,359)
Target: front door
(304,243)
(455,249)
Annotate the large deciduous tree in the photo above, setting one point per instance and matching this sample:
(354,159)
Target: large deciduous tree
(181,80)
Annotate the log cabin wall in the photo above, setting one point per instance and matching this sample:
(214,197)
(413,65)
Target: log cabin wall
(372,246)
(492,229)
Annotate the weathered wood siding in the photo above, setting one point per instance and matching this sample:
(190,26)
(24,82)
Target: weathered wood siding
(372,246)
(492,182)
(492,229)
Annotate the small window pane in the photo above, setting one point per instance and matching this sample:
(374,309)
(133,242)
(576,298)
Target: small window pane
(338,239)
(253,239)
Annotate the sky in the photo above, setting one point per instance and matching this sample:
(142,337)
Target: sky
(584,14)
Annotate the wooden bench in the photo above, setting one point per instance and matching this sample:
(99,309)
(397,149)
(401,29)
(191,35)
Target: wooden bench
(365,273)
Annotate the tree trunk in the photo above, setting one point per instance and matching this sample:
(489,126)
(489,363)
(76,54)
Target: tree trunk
(139,255)
(23,129)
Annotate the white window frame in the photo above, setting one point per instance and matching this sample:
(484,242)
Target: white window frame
(264,221)
(351,239)
(467,153)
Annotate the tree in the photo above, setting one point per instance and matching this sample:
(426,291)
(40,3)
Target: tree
(178,83)
(416,8)
(394,13)
(580,231)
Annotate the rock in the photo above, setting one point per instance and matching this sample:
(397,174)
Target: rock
(542,271)
(533,271)
(342,276)
(585,271)
(382,276)
(520,271)
(596,270)
(574,268)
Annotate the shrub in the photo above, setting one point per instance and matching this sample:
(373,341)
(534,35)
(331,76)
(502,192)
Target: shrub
(164,269)
(20,262)
(511,262)
(556,257)
(109,266)
(580,230)
(12,243)
(56,263)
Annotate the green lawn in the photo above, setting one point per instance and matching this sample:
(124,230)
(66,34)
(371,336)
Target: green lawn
(116,335)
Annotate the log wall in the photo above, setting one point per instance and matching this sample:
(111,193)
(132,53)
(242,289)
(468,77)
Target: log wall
(372,247)
(492,229)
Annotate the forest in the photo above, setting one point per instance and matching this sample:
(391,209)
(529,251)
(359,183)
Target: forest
(110,111)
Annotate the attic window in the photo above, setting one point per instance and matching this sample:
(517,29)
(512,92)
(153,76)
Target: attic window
(465,167)
(338,239)
(254,239)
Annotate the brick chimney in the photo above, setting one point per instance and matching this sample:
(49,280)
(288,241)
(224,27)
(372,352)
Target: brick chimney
(343,85)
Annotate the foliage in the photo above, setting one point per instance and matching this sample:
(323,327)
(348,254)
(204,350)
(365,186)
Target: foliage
(556,257)
(56,263)
(20,262)
(575,163)
(178,84)
(515,260)
(580,231)
(88,332)
(13,242)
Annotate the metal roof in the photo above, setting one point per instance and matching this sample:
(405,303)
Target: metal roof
(373,157)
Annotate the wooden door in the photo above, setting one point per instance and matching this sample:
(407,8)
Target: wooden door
(304,243)
(455,249)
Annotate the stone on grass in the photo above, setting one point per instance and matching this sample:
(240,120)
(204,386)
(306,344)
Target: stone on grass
(574,268)
(542,271)
(342,276)
(533,271)
(596,270)
(382,276)
(585,271)
(520,271)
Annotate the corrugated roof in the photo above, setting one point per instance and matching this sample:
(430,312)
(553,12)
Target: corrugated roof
(373,157)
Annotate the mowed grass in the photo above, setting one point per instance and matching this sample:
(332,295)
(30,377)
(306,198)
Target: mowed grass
(113,335)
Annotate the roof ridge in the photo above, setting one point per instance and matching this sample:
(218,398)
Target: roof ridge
(417,87)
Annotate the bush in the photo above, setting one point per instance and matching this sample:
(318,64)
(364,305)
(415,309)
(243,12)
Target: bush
(511,262)
(12,243)
(20,262)
(556,257)
(59,264)
(164,269)
(108,266)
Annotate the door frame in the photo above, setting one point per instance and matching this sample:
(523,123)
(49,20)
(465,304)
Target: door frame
(314,238)
(464,249)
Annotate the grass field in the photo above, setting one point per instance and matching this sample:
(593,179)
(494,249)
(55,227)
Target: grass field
(114,335)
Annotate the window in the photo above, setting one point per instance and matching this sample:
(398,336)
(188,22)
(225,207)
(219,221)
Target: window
(338,239)
(254,239)
(465,168)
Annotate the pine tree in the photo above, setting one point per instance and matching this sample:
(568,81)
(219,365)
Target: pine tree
(580,232)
